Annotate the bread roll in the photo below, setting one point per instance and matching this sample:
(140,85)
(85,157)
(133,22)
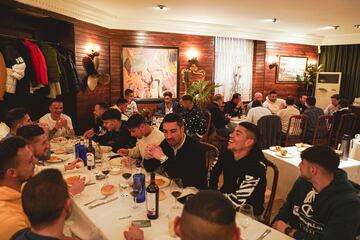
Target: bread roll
(108,189)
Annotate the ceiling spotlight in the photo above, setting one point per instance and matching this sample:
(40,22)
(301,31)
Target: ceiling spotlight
(336,27)
(274,20)
(161,7)
(357,26)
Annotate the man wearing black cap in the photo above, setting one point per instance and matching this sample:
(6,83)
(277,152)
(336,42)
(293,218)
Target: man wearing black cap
(243,169)
(322,203)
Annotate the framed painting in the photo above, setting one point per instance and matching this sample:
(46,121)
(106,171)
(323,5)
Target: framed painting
(290,67)
(150,71)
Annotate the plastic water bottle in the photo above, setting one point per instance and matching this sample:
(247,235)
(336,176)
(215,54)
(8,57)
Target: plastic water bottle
(140,178)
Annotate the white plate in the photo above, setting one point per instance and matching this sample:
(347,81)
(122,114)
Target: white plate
(165,183)
(81,175)
(116,162)
(302,145)
(57,158)
(288,155)
(273,148)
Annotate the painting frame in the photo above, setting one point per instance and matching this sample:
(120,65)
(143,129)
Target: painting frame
(142,55)
(289,67)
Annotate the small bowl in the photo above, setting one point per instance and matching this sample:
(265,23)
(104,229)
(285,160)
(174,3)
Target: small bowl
(105,149)
(115,171)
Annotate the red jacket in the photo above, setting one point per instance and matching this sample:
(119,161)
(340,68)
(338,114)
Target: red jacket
(38,61)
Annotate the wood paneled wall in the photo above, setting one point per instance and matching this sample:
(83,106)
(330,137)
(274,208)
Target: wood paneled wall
(264,79)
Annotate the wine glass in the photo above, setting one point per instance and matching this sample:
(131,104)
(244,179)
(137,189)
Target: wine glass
(126,175)
(176,188)
(105,169)
(247,212)
(137,188)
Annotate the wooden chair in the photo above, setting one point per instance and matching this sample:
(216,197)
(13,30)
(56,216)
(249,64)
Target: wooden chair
(207,116)
(322,130)
(346,126)
(296,130)
(211,153)
(266,217)
(270,131)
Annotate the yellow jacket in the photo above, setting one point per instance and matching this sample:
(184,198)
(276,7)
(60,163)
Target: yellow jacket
(12,216)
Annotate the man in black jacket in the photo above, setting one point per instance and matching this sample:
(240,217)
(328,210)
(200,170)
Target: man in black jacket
(179,155)
(243,168)
(168,106)
(235,106)
(219,120)
(322,203)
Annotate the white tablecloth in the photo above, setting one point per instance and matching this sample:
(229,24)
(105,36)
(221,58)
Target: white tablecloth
(234,121)
(289,170)
(103,221)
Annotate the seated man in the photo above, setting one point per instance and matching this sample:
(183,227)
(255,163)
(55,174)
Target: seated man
(195,123)
(219,120)
(301,103)
(131,107)
(286,113)
(4,130)
(313,113)
(322,204)
(98,128)
(168,106)
(235,106)
(145,134)
(333,107)
(117,135)
(257,96)
(273,103)
(121,105)
(16,118)
(47,220)
(256,112)
(16,167)
(180,156)
(60,124)
(208,215)
(343,108)
(243,169)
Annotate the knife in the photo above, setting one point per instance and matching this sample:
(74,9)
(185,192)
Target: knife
(267,231)
(102,203)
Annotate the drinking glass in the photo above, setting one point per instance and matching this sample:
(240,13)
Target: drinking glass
(126,175)
(105,169)
(247,212)
(137,188)
(176,188)
(173,213)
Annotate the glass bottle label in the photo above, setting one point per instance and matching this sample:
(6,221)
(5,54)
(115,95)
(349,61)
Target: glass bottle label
(151,203)
(90,159)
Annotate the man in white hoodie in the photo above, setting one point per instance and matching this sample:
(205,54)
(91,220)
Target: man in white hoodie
(273,103)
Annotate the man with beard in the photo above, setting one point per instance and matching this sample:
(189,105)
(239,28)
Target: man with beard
(322,203)
(242,165)
(179,155)
(47,205)
(17,163)
(98,128)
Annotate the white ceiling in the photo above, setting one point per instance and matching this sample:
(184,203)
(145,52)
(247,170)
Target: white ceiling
(299,21)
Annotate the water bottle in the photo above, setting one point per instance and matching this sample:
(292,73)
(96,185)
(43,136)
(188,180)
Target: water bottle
(140,178)
(345,146)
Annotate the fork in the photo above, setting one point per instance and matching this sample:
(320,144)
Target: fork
(96,199)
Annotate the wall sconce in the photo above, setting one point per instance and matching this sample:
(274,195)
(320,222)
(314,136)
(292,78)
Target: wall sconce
(92,50)
(273,62)
(312,62)
(192,54)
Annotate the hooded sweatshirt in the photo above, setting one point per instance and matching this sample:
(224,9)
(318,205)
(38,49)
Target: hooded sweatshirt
(332,214)
(12,216)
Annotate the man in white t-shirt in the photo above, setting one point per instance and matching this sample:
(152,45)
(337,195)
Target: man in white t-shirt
(131,107)
(145,134)
(273,103)
(60,125)
(287,113)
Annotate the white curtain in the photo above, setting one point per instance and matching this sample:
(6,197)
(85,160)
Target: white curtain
(233,66)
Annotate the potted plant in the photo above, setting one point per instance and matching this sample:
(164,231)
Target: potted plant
(202,92)
(309,78)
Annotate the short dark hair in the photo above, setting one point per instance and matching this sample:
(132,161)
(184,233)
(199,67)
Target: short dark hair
(8,151)
(167,94)
(217,97)
(44,197)
(290,100)
(323,156)
(55,100)
(336,96)
(103,105)
(187,97)
(235,96)
(14,116)
(343,103)
(173,117)
(30,132)
(212,206)
(273,92)
(311,101)
(135,121)
(121,101)
(252,130)
(128,92)
(111,114)
(256,103)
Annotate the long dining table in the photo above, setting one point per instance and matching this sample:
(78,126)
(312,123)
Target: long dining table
(110,220)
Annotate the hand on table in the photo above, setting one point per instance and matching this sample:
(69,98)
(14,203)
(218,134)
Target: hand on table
(134,233)
(76,163)
(77,187)
(89,133)
(280,225)
(123,152)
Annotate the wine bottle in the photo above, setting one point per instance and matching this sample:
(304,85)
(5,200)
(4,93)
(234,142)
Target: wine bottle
(90,155)
(152,199)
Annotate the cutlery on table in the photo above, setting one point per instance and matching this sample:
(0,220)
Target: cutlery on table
(126,217)
(267,231)
(102,203)
(96,199)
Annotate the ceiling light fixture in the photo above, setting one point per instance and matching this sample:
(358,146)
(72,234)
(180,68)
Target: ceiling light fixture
(274,20)
(357,26)
(335,27)
(161,7)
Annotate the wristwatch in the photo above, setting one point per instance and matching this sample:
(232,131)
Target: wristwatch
(288,230)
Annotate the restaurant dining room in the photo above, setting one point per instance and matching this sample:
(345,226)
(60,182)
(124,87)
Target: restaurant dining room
(191,120)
